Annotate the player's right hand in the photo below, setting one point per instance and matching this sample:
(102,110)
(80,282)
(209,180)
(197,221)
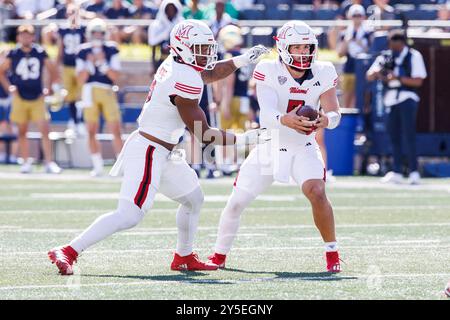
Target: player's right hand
(254,54)
(298,123)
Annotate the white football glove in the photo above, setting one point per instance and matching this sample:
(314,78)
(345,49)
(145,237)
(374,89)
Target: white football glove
(254,136)
(251,56)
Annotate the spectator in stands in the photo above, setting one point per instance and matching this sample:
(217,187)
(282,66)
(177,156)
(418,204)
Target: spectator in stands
(354,41)
(219,18)
(334,32)
(98,7)
(169,14)
(140,10)
(70,37)
(345,5)
(61,12)
(243,4)
(228,9)
(381,10)
(118,9)
(26,64)
(61,8)
(443,15)
(28,9)
(402,71)
(194,10)
(7,11)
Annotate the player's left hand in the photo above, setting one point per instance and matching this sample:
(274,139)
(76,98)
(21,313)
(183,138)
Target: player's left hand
(322,121)
(254,54)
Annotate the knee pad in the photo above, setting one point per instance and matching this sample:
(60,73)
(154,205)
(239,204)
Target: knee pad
(128,214)
(193,200)
(239,200)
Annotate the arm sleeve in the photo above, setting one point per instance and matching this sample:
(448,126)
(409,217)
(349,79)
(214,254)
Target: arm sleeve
(268,101)
(330,78)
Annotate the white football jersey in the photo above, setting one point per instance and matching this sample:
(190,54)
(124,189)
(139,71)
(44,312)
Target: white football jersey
(160,117)
(291,93)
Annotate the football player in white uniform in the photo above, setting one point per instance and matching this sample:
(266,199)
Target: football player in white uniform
(148,159)
(283,86)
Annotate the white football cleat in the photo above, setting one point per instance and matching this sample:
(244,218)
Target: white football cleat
(329,176)
(96,173)
(27,166)
(392,177)
(52,168)
(414,178)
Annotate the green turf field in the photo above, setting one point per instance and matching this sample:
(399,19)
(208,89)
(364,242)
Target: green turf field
(394,240)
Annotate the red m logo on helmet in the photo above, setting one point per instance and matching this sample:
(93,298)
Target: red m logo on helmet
(183,31)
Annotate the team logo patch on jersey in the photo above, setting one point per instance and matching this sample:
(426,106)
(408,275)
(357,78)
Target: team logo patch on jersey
(282,80)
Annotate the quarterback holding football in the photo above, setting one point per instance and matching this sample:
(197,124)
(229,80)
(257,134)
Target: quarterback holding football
(283,86)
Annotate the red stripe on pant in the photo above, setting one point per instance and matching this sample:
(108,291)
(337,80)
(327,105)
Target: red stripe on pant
(235,180)
(141,195)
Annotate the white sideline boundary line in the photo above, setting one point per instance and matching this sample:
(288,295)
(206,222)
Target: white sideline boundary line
(319,247)
(218,281)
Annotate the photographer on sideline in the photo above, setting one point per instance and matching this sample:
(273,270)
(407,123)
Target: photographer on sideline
(402,71)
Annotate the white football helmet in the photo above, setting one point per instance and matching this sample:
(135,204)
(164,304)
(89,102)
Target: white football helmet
(192,39)
(230,37)
(96,25)
(292,33)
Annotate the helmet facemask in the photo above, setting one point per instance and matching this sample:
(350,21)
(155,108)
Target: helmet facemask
(205,55)
(299,61)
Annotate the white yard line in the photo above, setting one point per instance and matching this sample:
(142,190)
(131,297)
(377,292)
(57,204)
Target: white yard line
(14,228)
(298,248)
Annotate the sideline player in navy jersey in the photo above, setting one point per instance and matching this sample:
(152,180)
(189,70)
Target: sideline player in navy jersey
(97,68)
(71,36)
(26,63)
(5,108)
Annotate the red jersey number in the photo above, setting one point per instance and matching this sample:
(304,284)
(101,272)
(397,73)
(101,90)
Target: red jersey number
(292,104)
(150,91)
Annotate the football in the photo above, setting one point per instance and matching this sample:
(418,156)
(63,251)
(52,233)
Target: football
(309,112)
